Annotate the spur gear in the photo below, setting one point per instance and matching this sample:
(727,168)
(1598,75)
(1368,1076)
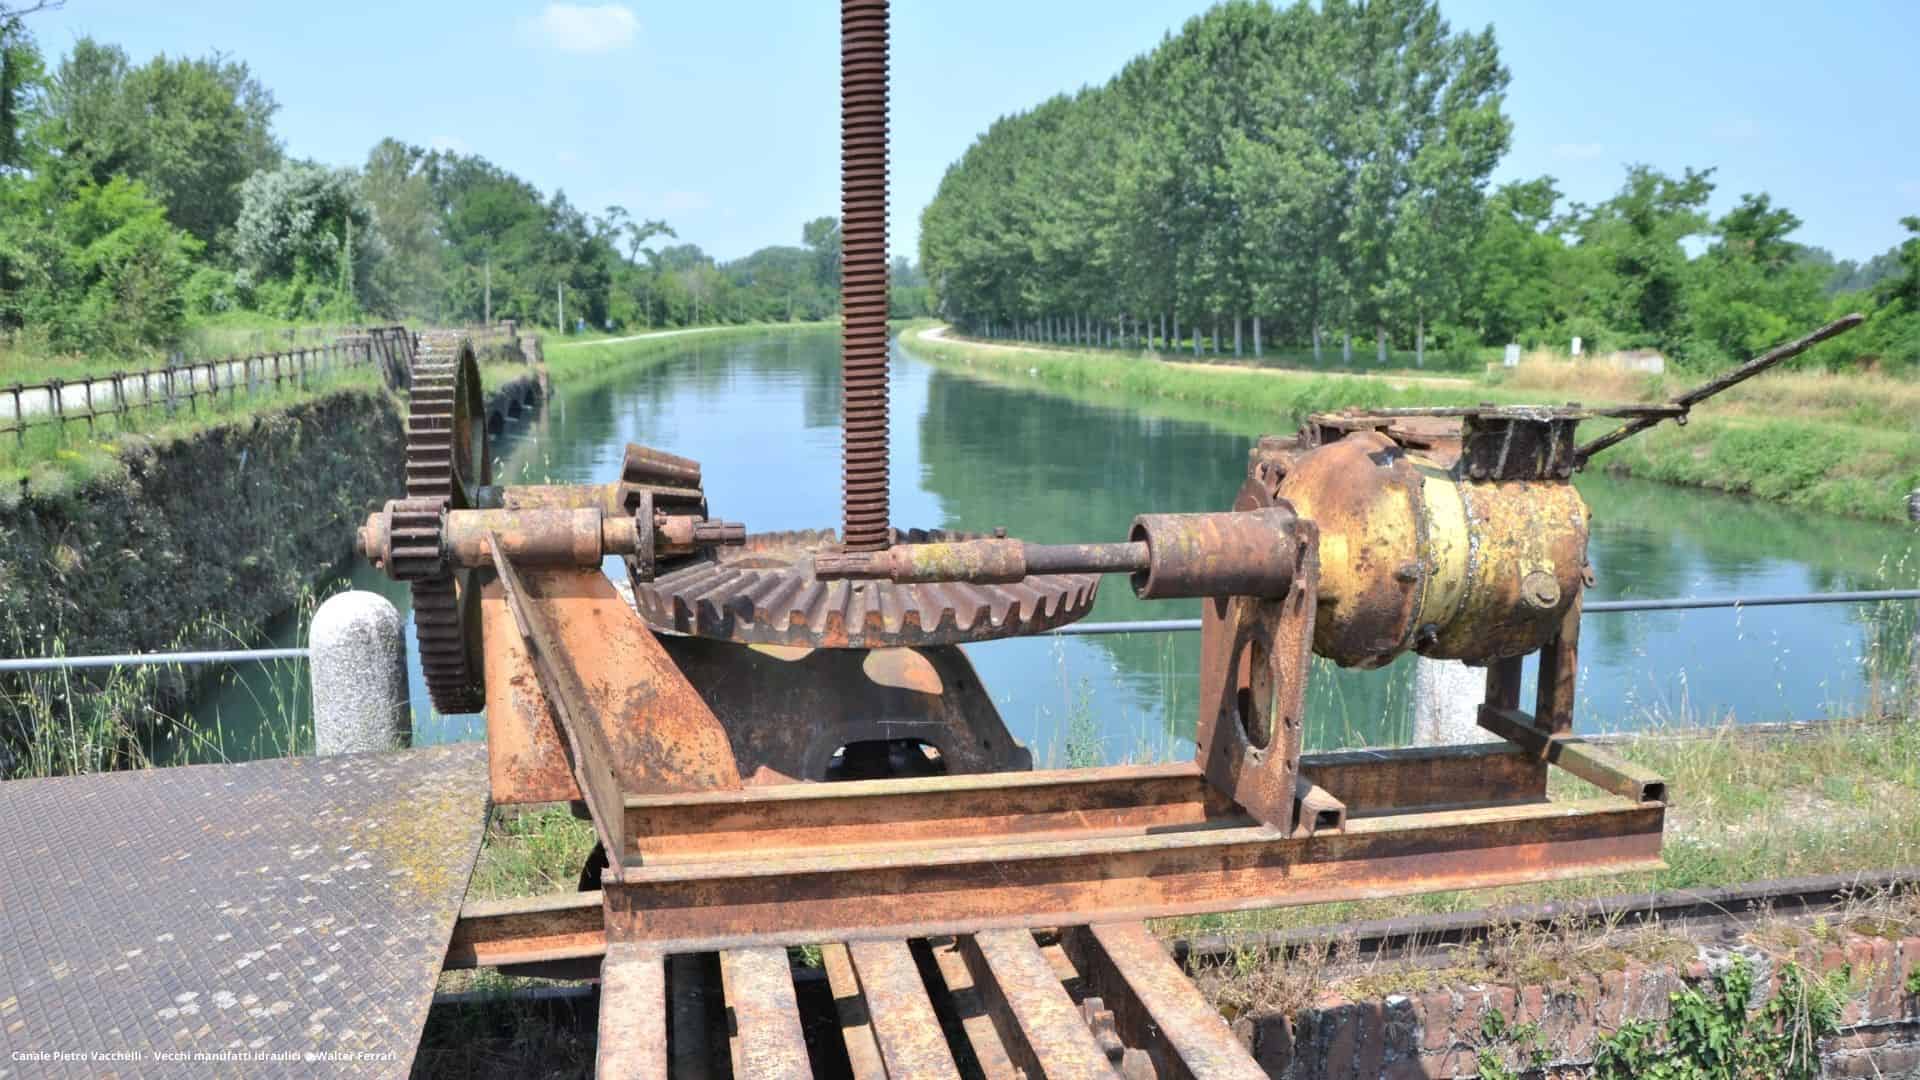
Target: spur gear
(447,461)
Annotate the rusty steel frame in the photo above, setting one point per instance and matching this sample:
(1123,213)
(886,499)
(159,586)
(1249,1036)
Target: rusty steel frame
(801,897)
(1375,787)
(800,864)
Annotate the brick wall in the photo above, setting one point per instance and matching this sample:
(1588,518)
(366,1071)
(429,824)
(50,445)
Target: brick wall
(1437,1033)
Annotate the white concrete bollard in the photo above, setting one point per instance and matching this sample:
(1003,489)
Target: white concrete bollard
(358,666)
(1446,703)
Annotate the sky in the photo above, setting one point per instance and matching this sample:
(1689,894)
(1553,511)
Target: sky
(722,118)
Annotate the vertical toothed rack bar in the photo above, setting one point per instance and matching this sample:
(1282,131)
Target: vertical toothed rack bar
(863,272)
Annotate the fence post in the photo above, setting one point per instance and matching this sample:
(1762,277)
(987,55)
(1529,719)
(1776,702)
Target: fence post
(56,406)
(86,389)
(358,668)
(1446,703)
(19,418)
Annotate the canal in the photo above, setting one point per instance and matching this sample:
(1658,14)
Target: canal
(762,416)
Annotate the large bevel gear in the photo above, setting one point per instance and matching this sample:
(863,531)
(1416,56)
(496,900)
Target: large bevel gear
(765,592)
(447,461)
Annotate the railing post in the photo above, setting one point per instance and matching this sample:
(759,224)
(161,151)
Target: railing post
(358,663)
(56,407)
(19,417)
(1446,703)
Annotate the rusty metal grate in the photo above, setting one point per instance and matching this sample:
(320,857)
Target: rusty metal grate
(274,915)
(1100,1001)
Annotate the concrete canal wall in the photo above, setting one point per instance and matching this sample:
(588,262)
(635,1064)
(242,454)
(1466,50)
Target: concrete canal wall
(225,523)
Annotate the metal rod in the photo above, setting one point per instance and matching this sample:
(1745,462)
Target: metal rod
(1085,629)
(50,663)
(1713,386)
(1685,603)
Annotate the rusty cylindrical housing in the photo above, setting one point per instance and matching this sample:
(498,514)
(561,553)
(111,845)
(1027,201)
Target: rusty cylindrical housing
(1415,557)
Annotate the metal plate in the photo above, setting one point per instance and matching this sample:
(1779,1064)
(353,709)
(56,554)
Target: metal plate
(270,917)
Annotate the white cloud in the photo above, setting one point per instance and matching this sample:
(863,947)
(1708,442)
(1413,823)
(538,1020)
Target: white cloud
(586,28)
(1581,151)
(449,144)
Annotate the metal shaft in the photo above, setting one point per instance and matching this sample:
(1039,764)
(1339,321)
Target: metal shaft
(863,272)
(1730,378)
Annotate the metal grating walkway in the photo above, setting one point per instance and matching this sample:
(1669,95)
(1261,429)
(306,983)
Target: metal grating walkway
(263,919)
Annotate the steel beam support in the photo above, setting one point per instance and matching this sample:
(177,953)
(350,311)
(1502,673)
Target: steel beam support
(894,891)
(530,930)
(1591,763)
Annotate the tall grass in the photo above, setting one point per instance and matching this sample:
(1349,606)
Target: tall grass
(65,722)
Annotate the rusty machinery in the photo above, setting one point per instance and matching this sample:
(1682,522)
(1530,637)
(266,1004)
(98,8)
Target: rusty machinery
(745,661)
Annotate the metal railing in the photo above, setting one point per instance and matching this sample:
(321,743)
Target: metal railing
(1133,626)
(93,398)
(1596,607)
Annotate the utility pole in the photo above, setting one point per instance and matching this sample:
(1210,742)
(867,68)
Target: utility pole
(489,290)
(560,303)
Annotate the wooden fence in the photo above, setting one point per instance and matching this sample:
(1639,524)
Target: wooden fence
(89,400)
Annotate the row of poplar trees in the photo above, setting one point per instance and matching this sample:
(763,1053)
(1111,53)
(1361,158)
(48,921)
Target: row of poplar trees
(1298,174)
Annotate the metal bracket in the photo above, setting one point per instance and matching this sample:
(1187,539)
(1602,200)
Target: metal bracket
(1255,655)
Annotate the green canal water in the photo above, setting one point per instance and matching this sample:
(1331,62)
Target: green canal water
(762,416)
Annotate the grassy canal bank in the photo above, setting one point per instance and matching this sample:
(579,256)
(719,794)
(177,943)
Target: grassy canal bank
(1831,444)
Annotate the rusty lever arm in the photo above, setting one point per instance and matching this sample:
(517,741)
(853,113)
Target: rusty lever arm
(1713,386)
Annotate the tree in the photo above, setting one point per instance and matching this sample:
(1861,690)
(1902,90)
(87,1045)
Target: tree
(411,277)
(822,237)
(1636,240)
(1752,288)
(192,130)
(310,229)
(1510,286)
(102,271)
(22,84)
